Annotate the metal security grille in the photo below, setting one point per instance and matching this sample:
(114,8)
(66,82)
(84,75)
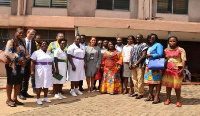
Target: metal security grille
(121,4)
(49,35)
(4,36)
(51,3)
(172,6)
(5,2)
(113,4)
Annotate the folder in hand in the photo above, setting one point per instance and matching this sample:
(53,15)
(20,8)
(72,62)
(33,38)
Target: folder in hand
(58,77)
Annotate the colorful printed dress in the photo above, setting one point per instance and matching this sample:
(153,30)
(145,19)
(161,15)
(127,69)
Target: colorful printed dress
(175,58)
(111,82)
(153,76)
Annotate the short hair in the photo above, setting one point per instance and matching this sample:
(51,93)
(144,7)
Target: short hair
(118,38)
(112,43)
(172,37)
(59,33)
(31,30)
(19,29)
(60,40)
(140,35)
(38,36)
(133,38)
(83,35)
(44,41)
(150,35)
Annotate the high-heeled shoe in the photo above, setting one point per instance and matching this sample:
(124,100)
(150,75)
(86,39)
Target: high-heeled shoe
(156,102)
(150,99)
(167,102)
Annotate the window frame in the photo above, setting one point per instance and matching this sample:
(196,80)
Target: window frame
(113,7)
(7,5)
(49,5)
(172,8)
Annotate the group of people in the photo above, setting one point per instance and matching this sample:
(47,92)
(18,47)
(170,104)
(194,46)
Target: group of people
(120,65)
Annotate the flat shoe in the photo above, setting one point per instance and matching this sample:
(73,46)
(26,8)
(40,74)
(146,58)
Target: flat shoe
(134,95)
(167,102)
(11,105)
(18,102)
(178,104)
(156,102)
(139,97)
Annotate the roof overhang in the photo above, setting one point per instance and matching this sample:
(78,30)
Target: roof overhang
(104,27)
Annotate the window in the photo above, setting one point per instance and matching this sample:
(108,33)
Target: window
(172,6)
(51,3)
(4,36)
(49,35)
(5,2)
(113,4)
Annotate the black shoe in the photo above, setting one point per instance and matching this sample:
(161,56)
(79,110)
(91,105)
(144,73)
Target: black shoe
(81,89)
(18,102)
(22,97)
(134,95)
(139,97)
(28,96)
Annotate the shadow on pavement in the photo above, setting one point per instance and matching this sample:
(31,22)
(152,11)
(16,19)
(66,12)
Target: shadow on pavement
(70,99)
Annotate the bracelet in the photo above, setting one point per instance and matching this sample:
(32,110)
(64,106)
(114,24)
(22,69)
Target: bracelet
(135,64)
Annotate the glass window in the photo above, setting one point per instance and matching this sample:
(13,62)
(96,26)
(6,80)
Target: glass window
(4,36)
(51,3)
(172,6)
(5,2)
(113,4)
(49,35)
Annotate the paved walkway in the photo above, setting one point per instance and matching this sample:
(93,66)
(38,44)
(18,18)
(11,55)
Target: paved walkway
(104,104)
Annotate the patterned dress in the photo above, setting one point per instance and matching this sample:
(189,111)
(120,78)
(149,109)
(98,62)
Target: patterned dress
(153,76)
(175,58)
(111,82)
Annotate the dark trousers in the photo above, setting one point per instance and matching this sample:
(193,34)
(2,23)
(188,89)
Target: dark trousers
(80,84)
(25,81)
(33,83)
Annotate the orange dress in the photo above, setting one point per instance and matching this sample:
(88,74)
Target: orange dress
(175,58)
(111,82)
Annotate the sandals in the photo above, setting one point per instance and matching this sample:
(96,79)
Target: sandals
(167,102)
(11,104)
(178,104)
(150,99)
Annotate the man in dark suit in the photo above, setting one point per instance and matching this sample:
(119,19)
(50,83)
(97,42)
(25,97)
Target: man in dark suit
(30,47)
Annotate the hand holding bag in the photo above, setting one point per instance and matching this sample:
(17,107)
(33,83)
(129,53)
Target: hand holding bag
(98,75)
(157,64)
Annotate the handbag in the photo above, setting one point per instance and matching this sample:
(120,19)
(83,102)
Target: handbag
(98,75)
(3,57)
(157,64)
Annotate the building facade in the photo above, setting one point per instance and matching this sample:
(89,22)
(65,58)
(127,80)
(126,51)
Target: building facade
(105,19)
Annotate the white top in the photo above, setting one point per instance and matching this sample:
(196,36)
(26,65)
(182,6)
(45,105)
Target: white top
(28,42)
(119,48)
(43,73)
(79,53)
(62,66)
(126,53)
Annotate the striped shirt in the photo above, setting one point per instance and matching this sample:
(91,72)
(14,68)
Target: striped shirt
(136,52)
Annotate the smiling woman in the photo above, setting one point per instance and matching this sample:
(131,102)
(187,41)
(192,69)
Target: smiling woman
(41,68)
